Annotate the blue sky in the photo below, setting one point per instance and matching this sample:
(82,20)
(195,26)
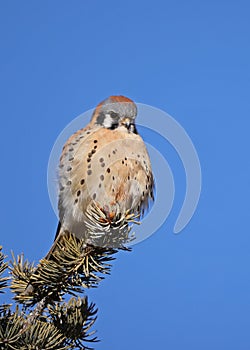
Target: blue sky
(189,58)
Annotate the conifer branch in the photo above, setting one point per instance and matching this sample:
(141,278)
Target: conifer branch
(42,318)
(3,267)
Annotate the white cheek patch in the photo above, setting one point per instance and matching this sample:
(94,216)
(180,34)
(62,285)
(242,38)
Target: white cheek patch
(108,121)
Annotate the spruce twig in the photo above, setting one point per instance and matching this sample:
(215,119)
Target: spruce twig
(44,318)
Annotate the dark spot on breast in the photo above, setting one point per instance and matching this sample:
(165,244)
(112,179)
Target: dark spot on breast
(89,172)
(128,177)
(94,196)
(88,160)
(125,158)
(78,193)
(108,170)
(95,147)
(103,165)
(69,183)
(95,141)
(100,185)
(69,168)
(76,200)
(113,178)
(89,166)
(102,177)
(101,160)
(71,158)
(82,181)
(71,149)
(88,132)
(93,151)
(113,152)
(61,188)
(122,161)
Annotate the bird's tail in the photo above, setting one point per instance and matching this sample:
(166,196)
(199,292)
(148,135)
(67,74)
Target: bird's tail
(59,233)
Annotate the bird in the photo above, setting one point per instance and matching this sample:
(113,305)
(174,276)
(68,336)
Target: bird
(105,176)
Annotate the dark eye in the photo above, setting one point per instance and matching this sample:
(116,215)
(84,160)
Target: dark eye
(114,115)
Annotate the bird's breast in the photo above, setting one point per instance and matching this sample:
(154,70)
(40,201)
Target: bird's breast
(107,168)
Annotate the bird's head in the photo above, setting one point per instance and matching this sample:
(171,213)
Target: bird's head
(114,112)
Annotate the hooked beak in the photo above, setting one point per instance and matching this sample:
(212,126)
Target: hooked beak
(129,125)
(126,122)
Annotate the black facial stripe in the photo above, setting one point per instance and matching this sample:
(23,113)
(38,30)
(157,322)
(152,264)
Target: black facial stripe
(100,119)
(114,126)
(132,128)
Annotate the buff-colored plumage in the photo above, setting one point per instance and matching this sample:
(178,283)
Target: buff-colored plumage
(104,169)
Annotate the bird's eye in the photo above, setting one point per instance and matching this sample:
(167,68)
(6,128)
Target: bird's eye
(113,115)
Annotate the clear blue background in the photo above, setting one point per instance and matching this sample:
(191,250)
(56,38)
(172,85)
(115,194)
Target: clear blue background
(189,58)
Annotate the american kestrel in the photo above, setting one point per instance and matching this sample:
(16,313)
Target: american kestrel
(105,175)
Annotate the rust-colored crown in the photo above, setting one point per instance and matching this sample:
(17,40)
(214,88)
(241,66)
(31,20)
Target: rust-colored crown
(112,100)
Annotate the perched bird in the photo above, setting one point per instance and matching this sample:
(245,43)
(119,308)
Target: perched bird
(105,175)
